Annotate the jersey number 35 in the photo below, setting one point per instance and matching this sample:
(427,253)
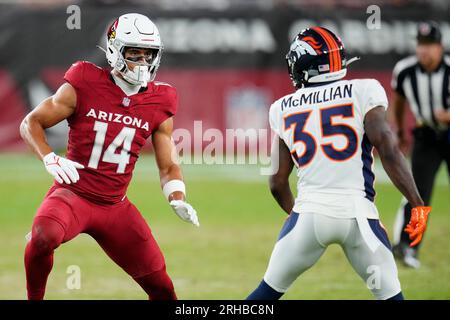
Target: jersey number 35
(297,122)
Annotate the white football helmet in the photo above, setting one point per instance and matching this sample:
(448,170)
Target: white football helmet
(137,31)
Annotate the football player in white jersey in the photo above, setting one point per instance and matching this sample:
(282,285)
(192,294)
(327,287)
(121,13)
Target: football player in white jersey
(327,128)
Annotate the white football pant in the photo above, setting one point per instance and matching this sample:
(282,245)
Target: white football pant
(307,237)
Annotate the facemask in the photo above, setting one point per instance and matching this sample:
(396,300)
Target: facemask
(139,76)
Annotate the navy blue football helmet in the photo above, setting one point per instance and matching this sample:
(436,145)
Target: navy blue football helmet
(316,55)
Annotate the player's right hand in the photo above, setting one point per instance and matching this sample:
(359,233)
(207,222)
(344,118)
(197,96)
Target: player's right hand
(62,169)
(417,224)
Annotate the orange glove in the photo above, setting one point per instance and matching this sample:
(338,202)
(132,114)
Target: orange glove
(418,224)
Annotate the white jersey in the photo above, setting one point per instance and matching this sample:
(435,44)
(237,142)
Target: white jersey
(323,127)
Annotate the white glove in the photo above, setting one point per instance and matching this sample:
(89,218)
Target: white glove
(62,169)
(185,211)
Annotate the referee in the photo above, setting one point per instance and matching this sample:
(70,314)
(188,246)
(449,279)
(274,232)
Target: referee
(422,81)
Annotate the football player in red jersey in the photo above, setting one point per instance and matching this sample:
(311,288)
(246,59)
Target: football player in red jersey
(110,114)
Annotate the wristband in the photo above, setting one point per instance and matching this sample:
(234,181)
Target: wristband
(172,186)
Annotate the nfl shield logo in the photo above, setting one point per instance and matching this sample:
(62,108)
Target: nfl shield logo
(126,102)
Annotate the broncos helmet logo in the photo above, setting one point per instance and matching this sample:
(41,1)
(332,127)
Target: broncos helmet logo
(306,45)
(313,43)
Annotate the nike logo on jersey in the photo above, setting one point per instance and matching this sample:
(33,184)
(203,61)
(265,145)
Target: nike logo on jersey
(318,96)
(118,118)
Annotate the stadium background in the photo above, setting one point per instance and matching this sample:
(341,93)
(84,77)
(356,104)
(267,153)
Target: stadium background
(226,59)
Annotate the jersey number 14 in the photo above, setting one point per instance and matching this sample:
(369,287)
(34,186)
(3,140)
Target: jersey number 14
(124,139)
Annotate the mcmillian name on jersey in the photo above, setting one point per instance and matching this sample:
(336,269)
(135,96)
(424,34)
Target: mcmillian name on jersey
(318,96)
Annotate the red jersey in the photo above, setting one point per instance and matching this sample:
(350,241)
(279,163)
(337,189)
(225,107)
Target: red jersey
(108,129)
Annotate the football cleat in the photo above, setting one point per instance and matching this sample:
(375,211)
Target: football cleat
(407,255)
(410,258)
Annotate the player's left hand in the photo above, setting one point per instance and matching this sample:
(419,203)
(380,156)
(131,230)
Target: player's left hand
(185,211)
(417,224)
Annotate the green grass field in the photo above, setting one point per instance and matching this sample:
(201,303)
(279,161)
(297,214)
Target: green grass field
(223,259)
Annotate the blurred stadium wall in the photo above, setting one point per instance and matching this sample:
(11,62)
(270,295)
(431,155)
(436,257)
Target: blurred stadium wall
(226,58)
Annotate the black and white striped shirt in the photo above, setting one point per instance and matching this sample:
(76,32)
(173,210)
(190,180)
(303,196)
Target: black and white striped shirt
(424,91)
